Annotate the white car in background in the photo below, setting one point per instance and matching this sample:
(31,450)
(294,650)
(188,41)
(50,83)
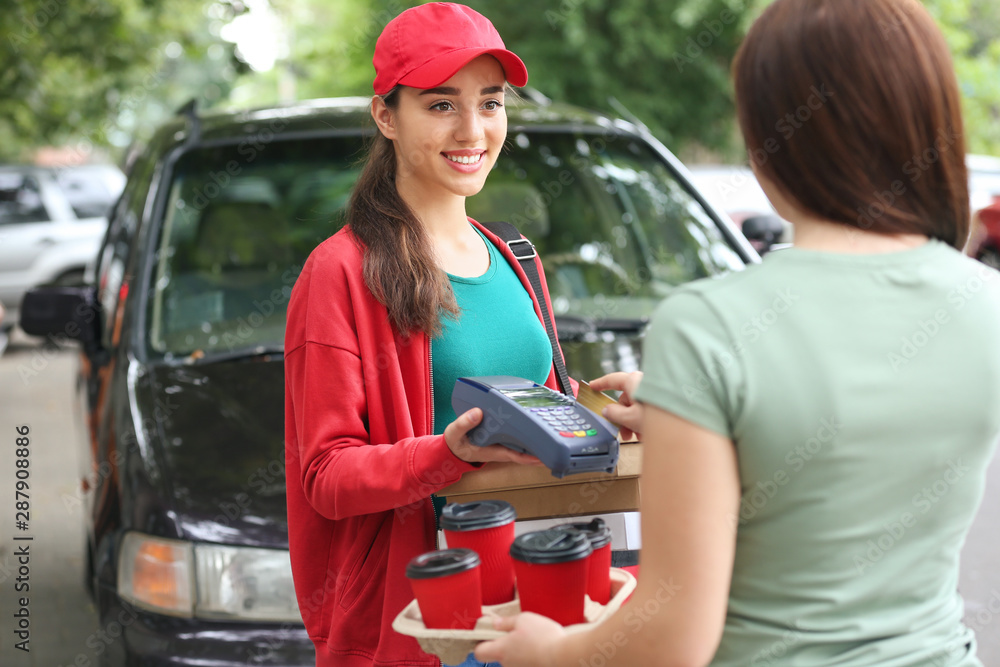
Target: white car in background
(52,221)
(984,180)
(735,190)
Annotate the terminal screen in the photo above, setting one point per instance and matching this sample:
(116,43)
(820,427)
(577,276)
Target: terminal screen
(535,397)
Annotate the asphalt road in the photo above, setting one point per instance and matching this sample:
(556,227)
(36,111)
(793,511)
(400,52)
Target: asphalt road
(36,390)
(62,621)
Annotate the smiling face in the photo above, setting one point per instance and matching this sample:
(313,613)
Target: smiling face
(447,138)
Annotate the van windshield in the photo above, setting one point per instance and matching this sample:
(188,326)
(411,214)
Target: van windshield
(614,229)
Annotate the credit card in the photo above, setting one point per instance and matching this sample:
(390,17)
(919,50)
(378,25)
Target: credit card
(592,399)
(595,401)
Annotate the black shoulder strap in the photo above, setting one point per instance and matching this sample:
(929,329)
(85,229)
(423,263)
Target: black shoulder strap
(525,253)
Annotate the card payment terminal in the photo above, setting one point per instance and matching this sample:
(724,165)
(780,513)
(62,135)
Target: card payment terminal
(528,417)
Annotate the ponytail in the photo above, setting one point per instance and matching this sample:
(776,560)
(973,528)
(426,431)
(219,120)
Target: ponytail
(399,265)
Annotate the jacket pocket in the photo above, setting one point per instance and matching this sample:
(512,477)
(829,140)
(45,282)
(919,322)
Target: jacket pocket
(369,562)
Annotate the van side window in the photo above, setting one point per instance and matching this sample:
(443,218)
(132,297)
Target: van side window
(113,260)
(21,199)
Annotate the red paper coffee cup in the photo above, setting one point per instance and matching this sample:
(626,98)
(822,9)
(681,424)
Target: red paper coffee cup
(599,563)
(551,567)
(447,586)
(486,527)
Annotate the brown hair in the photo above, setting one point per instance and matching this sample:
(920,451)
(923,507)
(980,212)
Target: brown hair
(851,108)
(399,266)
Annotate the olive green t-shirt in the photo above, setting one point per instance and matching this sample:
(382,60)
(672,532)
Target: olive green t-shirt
(861,393)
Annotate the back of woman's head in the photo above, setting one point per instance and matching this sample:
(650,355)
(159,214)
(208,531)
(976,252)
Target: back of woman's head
(851,108)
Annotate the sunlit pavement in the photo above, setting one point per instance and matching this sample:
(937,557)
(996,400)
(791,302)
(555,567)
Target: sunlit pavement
(62,619)
(36,389)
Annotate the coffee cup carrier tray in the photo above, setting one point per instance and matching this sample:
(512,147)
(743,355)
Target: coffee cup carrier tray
(453,646)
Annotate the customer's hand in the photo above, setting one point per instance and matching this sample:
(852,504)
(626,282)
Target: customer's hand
(626,413)
(456,435)
(531,641)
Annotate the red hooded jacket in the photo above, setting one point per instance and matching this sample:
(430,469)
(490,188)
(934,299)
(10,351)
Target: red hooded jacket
(361,462)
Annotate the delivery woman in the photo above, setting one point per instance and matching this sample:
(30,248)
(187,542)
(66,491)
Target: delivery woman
(817,428)
(386,314)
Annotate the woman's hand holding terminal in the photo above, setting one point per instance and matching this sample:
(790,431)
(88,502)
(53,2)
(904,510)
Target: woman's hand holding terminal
(456,435)
(626,413)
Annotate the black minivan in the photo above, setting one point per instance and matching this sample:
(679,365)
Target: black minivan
(181,372)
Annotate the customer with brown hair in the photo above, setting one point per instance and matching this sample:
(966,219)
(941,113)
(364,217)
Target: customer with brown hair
(817,428)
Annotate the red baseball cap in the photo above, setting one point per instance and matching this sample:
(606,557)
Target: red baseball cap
(424,46)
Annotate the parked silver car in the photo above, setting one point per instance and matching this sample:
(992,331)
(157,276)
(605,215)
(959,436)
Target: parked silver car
(52,221)
(734,189)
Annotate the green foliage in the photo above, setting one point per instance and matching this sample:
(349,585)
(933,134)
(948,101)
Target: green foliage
(972,28)
(77,69)
(102,71)
(331,43)
(667,62)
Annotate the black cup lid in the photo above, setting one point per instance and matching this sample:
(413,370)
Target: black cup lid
(477,515)
(596,531)
(442,563)
(550,546)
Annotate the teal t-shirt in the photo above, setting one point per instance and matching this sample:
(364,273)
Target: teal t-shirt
(862,394)
(497,333)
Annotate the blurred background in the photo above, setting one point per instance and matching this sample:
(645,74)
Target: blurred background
(84,79)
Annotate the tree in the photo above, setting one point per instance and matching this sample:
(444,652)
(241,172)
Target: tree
(972,28)
(73,69)
(93,70)
(661,60)
(667,62)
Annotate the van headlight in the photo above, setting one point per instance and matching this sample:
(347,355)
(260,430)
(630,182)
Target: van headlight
(200,580)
